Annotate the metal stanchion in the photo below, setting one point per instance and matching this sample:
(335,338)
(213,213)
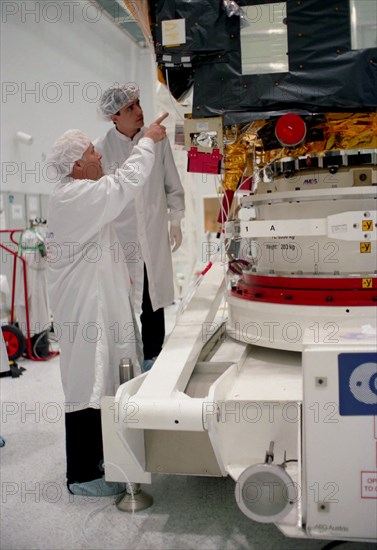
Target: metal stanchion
(135,498)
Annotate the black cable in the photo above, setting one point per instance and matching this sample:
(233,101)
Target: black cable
(333,544)
(40,337)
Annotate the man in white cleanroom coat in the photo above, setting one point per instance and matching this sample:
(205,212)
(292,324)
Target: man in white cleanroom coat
(89,290)
(142,227)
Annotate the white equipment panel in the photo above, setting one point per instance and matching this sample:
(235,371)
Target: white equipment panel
(340,437)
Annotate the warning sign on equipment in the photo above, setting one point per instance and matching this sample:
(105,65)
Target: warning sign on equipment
(368,484)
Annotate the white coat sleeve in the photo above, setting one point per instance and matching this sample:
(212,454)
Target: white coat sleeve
(86,206)
(175,196)
(127,180)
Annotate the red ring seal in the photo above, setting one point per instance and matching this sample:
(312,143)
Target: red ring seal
(290,130)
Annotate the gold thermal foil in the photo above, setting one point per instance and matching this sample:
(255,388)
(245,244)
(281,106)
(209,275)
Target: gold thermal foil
(341,131)
(240,152)
(350,131)
(235,163)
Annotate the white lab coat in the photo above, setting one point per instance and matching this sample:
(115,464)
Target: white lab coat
(143,225)
(88,284)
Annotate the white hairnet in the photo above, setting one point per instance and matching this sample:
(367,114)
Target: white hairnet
(116,97)
(67,149)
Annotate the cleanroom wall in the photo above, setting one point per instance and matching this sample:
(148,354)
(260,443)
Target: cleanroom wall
(56,58)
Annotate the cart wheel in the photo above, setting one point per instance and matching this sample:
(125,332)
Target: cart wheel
(14,340)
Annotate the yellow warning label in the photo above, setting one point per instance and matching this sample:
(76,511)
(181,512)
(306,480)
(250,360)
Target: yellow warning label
(367,225)
(367,283)
(365,248)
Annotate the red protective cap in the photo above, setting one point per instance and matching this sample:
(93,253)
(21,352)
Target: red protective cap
(290,130)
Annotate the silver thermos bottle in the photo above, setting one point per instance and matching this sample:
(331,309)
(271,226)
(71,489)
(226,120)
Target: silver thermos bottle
(126,370)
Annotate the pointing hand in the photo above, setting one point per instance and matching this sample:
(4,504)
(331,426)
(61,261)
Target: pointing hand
(156,130)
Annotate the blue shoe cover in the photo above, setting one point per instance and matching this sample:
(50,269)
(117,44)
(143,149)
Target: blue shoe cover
(148,364)
(97,488)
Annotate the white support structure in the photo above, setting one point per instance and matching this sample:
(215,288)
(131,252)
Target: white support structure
(172,370)
(257,414)
(284,400)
